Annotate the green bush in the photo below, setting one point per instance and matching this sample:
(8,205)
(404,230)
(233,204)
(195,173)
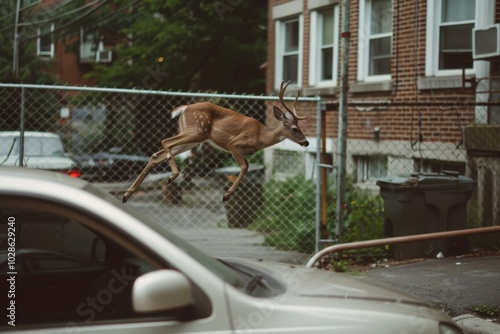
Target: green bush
(289,214)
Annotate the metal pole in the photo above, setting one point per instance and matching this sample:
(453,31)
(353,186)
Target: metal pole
(15,51)
(400,240)
(342,130)
(319,121)
(21,130)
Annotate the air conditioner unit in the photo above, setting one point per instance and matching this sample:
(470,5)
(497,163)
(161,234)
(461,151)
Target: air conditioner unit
(486,42)
(104,56)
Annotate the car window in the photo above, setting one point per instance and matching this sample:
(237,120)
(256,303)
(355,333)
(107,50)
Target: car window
(227,274)
(42,146)
(64,271)
(33,146)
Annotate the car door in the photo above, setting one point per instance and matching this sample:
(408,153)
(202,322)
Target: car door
(77,278)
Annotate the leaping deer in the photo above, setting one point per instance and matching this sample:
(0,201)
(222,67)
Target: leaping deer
(227,130)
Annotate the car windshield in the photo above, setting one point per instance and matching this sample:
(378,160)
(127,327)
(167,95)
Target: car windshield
(220,269)
(33,146)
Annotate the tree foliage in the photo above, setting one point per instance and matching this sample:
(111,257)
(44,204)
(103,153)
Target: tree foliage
(157,44)
(190,45)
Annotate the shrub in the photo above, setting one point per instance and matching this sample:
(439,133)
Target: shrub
(289,214)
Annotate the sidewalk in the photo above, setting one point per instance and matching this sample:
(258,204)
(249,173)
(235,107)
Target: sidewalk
(455,285)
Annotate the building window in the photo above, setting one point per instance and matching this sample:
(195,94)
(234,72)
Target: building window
(449,37)
(455,34)
(439,166)
(370,167)
(324,47)
(375,40)
(88,46)
(291,50)
(45,43)
(288,51)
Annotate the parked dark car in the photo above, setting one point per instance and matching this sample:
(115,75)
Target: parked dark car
(116,166)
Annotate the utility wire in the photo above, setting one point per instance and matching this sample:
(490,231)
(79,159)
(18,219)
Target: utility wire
(60,16)
(76,20)
(47,9)
(76,10)
(102,20)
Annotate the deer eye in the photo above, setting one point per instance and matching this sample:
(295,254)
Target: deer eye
(295,130)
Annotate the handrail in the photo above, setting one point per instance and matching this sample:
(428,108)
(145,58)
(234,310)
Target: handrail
(399,240)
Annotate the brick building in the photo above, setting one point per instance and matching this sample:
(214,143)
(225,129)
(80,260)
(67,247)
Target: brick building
(69,66)
(413,61)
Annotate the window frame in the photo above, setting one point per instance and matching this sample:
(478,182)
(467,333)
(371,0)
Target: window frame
(363,167)
(432,49)
(39,51)
(364,38)
(280,27)
(315,47)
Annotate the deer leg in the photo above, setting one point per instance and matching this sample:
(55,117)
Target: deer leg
(176,145)
(243,163)
(155,159)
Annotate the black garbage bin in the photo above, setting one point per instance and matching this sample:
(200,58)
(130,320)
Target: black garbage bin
(426,203)
(244,206)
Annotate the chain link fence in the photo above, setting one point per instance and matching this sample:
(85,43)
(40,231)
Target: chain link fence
(110,135)
(286,203)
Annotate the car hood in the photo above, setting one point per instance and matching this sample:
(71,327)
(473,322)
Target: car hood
(319,301)
(42,162)
(302,282)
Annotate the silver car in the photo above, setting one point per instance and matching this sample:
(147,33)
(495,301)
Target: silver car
(42,150)
(136,276)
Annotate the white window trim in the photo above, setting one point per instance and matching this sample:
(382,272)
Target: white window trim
(50,53)
(363,164)
(432,37)
(314,52)
(364,46)
(279,28)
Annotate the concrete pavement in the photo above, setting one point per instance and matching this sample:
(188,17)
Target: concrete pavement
(456,285)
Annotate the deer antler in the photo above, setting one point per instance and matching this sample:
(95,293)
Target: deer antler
(294,111)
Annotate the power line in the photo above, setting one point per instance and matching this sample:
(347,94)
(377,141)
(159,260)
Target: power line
(76,20)
(104,19)
(76,10)
(34,23)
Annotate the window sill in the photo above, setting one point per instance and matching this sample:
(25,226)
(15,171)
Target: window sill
(313,91)
(368,87)
(452,82)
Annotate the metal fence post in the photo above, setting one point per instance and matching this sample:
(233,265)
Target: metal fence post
(342,132)
(319,122)
(21,128)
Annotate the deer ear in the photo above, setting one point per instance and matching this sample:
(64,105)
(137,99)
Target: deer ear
(280,115)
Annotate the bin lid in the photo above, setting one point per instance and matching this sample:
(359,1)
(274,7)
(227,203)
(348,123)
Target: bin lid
(446,180)
(235,170)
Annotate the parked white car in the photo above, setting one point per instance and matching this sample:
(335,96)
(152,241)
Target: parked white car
(135,276)
(42,150)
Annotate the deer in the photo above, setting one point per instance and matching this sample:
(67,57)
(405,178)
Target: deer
(227,130)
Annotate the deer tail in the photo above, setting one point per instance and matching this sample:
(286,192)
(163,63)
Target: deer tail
(177,111)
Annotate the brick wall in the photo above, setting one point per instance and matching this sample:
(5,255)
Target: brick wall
(438,124)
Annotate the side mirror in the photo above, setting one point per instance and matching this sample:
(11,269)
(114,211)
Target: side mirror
(161,290)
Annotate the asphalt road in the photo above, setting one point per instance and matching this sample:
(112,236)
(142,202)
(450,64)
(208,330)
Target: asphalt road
(206,227)
(456,285)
